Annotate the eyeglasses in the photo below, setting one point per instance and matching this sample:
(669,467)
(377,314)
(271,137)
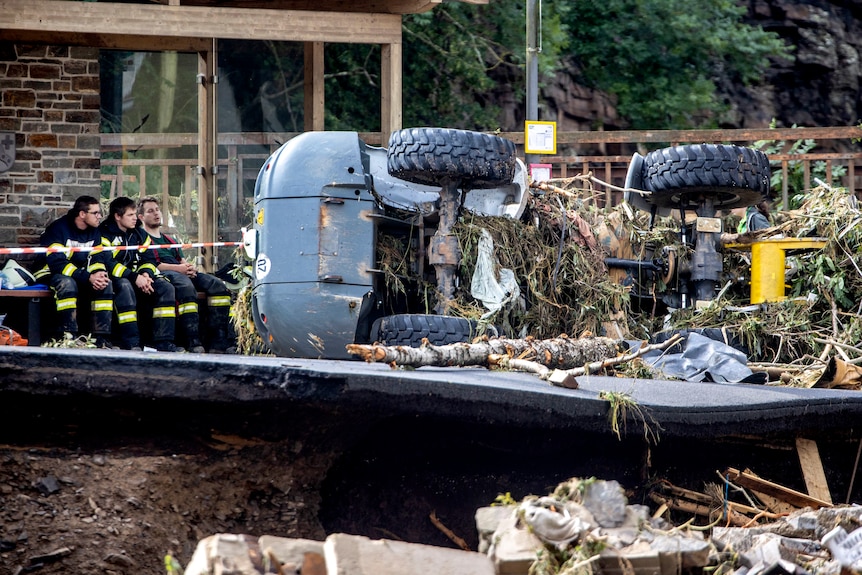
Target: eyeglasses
(96,213)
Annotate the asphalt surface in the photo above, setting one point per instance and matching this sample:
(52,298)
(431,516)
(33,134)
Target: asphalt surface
(377,392)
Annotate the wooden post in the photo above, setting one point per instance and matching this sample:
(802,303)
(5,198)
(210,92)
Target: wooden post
(390,89)
(314,99)
(207,192)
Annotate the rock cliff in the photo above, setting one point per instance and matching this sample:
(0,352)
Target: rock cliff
(819,85)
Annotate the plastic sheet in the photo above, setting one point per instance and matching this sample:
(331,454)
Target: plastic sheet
(494,288)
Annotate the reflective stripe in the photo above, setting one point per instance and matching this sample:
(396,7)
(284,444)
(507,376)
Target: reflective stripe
(127,316)
(67,303)
(102,305)
(96,267)
(191,307)
(69,269)
(150,267)
(164,312)
(119,270)
(43,272)
(218,300)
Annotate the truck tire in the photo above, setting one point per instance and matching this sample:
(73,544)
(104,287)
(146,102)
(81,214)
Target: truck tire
(434,156)
(679,177)
(411,329)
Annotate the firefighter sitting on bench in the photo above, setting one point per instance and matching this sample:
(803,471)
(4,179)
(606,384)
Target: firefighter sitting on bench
(188,281)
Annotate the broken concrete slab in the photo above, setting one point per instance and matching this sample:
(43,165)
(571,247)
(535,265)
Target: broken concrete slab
(357,555)
(343,554)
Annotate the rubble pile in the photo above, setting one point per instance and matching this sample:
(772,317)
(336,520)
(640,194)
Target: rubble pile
(584,527)
(589,527)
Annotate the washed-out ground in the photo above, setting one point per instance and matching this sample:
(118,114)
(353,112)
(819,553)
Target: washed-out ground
(116,504)
(98,478)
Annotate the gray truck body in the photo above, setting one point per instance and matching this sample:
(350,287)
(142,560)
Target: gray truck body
(318,203)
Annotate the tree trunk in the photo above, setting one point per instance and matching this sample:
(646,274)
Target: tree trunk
(557,353)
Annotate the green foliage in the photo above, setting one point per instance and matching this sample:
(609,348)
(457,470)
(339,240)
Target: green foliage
(663,58)
(352,85)
(621,405)
(504,499)
(457,54)
(796,168)
(69,341)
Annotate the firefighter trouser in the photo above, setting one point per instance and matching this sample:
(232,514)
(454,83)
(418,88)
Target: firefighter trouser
(187,306)
(218,307)
(162,302)
(66,292)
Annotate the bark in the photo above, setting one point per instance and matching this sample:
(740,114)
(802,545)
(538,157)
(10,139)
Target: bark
(557,353)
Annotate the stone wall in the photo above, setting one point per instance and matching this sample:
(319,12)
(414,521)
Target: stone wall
(50,102)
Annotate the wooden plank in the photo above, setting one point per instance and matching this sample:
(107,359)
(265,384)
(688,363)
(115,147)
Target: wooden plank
(812,469)
(137,20)
(791,496)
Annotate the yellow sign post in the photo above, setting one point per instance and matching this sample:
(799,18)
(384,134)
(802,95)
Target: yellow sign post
(540,137)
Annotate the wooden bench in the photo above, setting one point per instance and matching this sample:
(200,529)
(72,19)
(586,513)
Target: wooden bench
(34,309)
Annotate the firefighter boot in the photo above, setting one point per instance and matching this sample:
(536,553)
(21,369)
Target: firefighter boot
(217,323)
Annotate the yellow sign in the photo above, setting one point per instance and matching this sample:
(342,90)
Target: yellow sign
(540,137)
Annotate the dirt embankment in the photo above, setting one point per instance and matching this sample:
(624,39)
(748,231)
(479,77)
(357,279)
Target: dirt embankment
(120,510)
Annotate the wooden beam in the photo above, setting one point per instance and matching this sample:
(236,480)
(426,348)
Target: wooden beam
(314,100)
(812,469)
(107,41)
(108,18)
(390,89)
(791,496)
(368,6)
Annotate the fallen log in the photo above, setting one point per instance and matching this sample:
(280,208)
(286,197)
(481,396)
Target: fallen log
(557,353)
(565,377)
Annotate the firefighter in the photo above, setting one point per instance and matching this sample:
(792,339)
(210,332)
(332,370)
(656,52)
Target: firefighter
(136,279)
(188,282)
(74,273)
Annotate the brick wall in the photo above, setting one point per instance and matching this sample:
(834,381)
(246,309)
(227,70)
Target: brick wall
(50,101)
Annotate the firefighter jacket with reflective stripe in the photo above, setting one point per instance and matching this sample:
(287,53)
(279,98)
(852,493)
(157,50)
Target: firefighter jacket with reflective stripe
(129,263)
(78,265)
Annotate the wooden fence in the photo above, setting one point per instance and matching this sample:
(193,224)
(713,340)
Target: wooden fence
(605,155)
(611,168)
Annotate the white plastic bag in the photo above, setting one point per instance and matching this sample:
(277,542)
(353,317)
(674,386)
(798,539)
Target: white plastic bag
(494,292)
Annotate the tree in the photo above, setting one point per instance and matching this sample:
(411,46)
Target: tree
(458,56)
(664,58)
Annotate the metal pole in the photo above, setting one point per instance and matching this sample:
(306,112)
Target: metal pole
(532,66)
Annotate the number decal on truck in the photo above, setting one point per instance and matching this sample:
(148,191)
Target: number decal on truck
(262,266)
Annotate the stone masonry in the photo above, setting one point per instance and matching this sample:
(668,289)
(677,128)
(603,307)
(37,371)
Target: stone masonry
(50,105)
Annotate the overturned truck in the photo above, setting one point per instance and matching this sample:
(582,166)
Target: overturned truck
(324,200)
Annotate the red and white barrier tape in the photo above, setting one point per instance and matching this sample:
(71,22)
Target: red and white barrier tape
(97,249)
